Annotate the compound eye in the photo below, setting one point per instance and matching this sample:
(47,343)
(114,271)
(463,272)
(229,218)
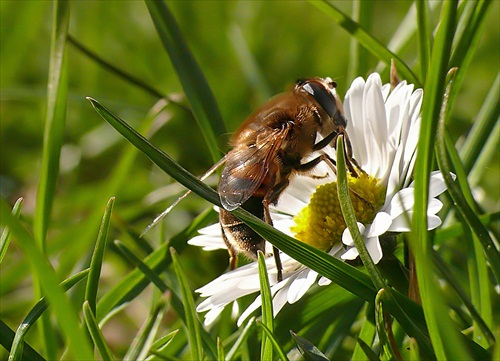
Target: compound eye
(323,96)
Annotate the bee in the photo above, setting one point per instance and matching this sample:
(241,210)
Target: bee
(269,148)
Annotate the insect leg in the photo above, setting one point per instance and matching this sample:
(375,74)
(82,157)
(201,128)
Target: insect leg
(351,162)
(332,164)
(268,199)
(233,254)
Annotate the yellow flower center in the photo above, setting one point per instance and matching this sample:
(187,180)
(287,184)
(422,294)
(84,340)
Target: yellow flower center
(321,222)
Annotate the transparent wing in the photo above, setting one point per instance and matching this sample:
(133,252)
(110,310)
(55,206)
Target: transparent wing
(247,167)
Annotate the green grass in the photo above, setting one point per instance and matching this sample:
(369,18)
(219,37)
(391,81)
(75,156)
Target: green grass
(167,83)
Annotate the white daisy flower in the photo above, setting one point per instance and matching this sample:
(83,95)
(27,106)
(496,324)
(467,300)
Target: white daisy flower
(383,127)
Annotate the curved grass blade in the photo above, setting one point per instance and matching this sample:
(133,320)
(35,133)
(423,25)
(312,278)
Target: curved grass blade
(307,349)
(368,352)
(389,351)
(365,39)
(97,257)
(7,339)
(193,80)
(157,156)
(5,238)
(136,262)
(192,323)
(66,316)
(233,352)
(350,217)
(266,351)
(159,346)
(143,342)
(17,352)
(96,334)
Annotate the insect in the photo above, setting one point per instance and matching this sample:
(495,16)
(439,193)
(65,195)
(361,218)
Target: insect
(268,149)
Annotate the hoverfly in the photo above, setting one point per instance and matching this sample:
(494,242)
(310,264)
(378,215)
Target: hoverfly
(268,149)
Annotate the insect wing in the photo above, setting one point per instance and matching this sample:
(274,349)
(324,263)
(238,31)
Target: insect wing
(246,169)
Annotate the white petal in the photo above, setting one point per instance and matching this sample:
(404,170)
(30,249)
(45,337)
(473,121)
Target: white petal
(437,184)
(400,223)
(212,315)
(350,254)
(209,243)
(380,225)
(353,106)
(374,249)
(433,222)
(347,237)
(323,281)
(301,285)
(279,301)
(250,309)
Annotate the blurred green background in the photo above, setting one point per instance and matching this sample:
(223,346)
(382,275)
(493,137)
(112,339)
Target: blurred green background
(248,50)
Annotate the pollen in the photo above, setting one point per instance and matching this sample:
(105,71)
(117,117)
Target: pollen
(321,224)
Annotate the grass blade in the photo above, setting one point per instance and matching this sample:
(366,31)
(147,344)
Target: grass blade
(273,342)
(136,262)
(159,346)
(424,36)
(97,257)
(66,316)
(461,193)
(358,64)
(95,332)
(365,336)
(17,351)
(193,80)
(233,352)
(192,323)
(160,158)
(384,332)
(220,350)
(266,351)
(142,343)
(5,238)
(55,120)
(365,39)
(445,337)
(350,217)
(307,349)
(7,338)
(448,276)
